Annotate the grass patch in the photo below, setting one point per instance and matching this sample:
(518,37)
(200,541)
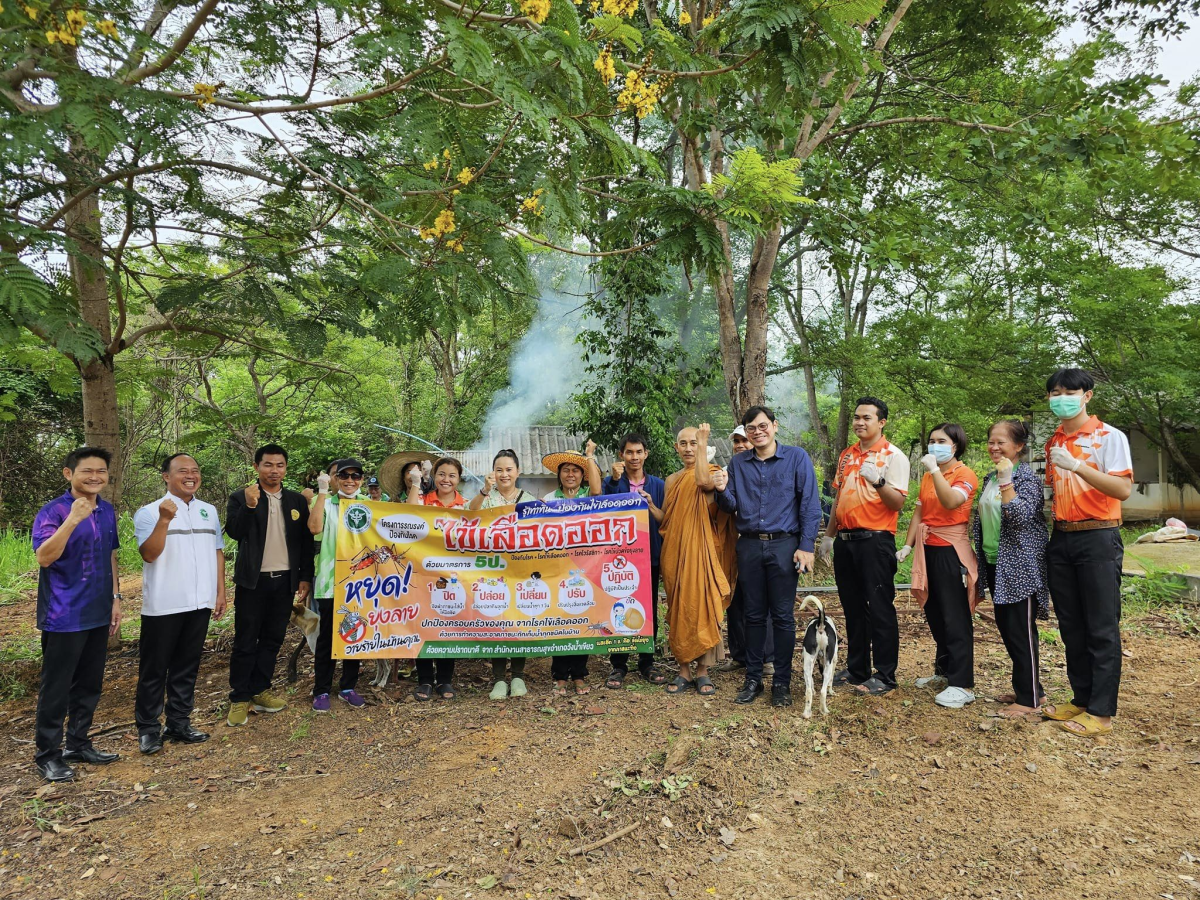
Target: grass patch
(18,565)
(1161,593)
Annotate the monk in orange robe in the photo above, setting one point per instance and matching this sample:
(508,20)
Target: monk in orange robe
(695,563)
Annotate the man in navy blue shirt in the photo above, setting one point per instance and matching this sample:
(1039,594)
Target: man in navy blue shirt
(773,494)
(78,609)
(629,476)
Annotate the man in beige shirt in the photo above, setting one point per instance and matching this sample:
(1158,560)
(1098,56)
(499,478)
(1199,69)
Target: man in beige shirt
(274,568)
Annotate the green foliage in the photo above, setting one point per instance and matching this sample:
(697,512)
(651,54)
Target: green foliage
(18,565)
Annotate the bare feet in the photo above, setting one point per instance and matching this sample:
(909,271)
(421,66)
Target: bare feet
(1017,711)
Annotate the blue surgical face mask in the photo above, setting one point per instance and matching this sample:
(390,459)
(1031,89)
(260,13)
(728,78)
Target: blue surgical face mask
(942,452)
(1066,406)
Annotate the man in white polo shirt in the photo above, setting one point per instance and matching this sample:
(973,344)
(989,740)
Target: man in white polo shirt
(183,583)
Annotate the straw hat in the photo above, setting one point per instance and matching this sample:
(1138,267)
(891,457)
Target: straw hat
(553,460)
(390,469)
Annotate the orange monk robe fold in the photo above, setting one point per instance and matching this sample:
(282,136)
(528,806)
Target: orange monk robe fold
(957,537)
(693,573)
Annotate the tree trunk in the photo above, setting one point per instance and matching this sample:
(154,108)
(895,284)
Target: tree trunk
(826,455)
(1174,451)
(101,422)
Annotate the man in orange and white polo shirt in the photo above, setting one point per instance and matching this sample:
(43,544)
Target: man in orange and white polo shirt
(871,485)
(1090,469)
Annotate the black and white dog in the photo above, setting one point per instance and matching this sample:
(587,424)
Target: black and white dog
(820,644)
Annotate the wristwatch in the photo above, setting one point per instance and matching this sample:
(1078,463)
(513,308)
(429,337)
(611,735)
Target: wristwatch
(880,483)
(118,596)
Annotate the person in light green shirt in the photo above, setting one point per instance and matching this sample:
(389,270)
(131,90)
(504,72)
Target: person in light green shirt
(324,520)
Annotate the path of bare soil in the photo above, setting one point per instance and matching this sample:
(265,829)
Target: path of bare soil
(883,798)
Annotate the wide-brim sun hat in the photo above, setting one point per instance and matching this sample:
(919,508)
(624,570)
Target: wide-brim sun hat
(553,460)
(390,469)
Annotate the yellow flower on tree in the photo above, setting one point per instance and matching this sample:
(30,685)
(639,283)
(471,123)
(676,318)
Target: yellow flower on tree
(465,176)
(108,28)
(31,11)
(446,155)
(456,245)
(533,204)
(708,20)
(444,223)
(538,10)
(639,96)
(206,94)
(604,64)
(685,18)
(432,164)
(76,19)
(624,8)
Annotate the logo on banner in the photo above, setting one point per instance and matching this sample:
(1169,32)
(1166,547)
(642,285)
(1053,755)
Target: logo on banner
(353,628)
(533,595)
(619,577)
(575,593)
(357,519)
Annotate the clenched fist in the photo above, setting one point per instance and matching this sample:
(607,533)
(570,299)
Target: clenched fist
(720,479)
(870,473)
(1004,471)
(703,432)
(1061,457)
(167,510)
(80,510)
(253,492)
(929,461)
(323,483)
(590,450)
(489,482)
(618,469)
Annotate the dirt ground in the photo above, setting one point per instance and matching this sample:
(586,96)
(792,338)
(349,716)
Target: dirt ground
(893,797)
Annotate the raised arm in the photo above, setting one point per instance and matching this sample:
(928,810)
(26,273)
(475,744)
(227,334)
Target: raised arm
(704,473)
(594,480)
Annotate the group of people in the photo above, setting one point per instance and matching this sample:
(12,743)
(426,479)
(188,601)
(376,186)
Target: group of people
(726,544)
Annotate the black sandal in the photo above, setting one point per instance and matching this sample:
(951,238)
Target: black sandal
(615,680)
(446,691)
(654,676)
(702,682)
(423,692)
(679,686)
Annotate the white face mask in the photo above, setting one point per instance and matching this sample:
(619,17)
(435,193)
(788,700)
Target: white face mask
(346,496)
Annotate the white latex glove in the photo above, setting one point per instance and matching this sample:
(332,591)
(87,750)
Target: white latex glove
(1004,471)
(902,553)
(929,461)
(1061,458)
(870,473)
(825,551)
(323,483)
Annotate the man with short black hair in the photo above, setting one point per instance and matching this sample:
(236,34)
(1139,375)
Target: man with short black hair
(274,568)
(629,476)
(735,615)
(1089,467)
(78,609)
(772,491)
(183,585)
(871,485)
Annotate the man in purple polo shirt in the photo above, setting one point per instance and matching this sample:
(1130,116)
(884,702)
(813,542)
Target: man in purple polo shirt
(78,608)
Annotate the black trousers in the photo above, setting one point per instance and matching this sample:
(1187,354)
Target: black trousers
(865,571)
(568,668)
(620,661)
(260,620)
(72,677)
(949,616)
(1018,628)
(323,661)
(1084,577)
(169,651)
(735,618)
(426,667)
(767,576)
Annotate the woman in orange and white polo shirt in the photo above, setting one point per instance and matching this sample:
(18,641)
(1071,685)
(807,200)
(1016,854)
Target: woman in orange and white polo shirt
(944,565)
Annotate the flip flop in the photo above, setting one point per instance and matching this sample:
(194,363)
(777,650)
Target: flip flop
(653,676)
(615,680)
(423,692)
(874,687)
(702,682)
(559,690)
(679,686)
(581,687)
(1062,712)
(1089,726)
(446,691)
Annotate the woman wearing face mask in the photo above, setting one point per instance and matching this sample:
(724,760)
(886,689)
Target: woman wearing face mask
(500,489)
(944,567)
(1009,534)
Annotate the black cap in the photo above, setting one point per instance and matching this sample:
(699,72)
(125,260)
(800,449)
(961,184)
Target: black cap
(345,465)
(372,481)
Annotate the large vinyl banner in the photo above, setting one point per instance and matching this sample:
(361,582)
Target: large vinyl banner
(540,579)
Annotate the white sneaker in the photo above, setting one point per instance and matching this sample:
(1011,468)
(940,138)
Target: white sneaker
(500,691)
(954,698)
(518,687)
(933,681)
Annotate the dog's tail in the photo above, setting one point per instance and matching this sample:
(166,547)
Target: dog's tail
(812,600)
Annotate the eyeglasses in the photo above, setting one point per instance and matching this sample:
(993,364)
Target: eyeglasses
(750,429)
(352,476)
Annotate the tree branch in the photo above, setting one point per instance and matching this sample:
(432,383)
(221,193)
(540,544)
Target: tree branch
(176,50)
